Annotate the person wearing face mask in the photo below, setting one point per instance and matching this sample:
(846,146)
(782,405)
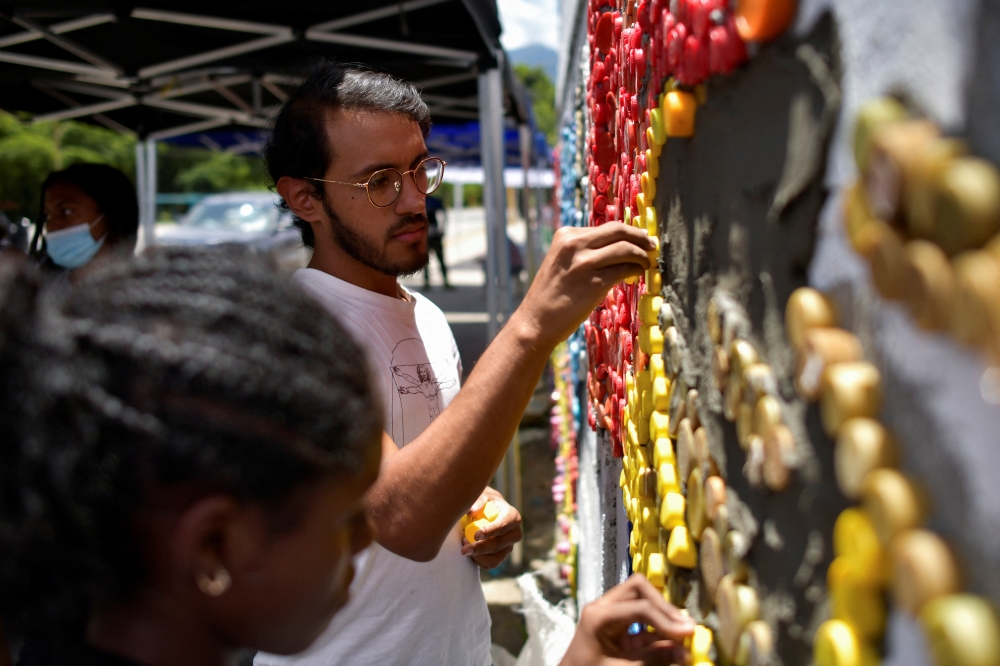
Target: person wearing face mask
(88,212)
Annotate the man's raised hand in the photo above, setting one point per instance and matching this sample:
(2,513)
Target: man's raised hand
(579,269)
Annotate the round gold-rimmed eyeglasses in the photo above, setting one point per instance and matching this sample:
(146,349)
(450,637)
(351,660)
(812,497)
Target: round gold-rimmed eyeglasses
(385,185)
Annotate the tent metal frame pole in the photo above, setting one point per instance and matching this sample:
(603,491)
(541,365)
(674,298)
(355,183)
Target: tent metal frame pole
(530,221)
(145,181)
(362,41)
(376,14)
(32,34)
(494,202)
(491,123)
(498,283)
(140,192)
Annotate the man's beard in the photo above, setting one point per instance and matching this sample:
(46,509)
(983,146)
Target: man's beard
(361,249)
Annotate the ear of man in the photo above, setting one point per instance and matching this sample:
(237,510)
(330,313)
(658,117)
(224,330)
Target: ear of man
(301,199)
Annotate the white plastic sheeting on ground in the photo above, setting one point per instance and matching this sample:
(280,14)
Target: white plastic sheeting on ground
(550,629)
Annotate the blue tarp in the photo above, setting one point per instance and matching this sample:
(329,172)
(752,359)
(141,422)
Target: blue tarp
(457,144)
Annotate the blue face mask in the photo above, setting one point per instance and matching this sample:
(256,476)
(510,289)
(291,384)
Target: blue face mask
(73,247)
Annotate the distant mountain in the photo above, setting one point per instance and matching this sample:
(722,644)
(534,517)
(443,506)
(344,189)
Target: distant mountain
(536,55)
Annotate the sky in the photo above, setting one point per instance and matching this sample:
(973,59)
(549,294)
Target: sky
(529,22)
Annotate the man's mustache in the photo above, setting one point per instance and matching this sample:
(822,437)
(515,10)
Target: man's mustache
(407,221)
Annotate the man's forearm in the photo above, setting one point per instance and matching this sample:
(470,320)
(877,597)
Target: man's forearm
(424,488)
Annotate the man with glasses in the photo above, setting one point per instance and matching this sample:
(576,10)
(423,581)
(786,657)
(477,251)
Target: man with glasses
(347,155)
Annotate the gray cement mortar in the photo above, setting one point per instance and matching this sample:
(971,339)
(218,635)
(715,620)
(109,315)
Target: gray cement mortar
(741,216)
(724,229)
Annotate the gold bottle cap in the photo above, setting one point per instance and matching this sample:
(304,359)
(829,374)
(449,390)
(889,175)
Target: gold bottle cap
(807,308)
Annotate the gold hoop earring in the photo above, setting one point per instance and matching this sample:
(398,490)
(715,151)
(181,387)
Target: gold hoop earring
(217,584)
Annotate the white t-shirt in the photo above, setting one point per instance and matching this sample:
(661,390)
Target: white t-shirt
(401,612)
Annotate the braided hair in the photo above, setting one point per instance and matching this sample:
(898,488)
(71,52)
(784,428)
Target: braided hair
(181,366)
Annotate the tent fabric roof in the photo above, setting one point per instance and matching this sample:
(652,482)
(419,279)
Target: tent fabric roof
(165,68)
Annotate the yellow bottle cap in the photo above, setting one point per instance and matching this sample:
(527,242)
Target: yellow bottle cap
(837,644)
(672,508)
(490,511)
(680,549)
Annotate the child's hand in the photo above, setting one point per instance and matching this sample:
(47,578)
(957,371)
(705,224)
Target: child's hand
(602,637)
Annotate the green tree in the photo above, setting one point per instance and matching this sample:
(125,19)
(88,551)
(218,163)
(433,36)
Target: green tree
(30,152)
(221,171)
(543,98)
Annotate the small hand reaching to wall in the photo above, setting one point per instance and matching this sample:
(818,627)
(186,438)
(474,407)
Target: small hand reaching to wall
(602,637)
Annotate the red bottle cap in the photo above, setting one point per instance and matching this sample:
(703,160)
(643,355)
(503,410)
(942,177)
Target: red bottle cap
(604,150)
(604,32)
(675,46)
(694,66)
(718,50)
(601,182)
(635,39)
(642,15)
(640,63)
(699,12)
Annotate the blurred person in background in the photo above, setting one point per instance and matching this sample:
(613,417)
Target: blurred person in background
(435,240)
(88,212)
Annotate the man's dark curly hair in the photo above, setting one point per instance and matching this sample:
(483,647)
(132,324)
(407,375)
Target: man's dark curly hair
(299,145)
(180,367)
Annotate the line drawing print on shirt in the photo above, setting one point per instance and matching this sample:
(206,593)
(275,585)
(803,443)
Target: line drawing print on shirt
(416,379)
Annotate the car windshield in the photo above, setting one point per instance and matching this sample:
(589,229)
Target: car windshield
(246,216)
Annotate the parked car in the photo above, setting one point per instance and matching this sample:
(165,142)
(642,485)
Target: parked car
(248,218)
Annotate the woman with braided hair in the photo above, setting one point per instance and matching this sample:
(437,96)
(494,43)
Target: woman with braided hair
(186,441)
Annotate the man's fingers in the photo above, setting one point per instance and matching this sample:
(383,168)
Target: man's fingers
(511,531)
(612,275)
(494,543)
(617,253)
(508,519)
(613,232)
(493,560)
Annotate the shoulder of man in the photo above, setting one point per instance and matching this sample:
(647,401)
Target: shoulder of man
(428,309)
